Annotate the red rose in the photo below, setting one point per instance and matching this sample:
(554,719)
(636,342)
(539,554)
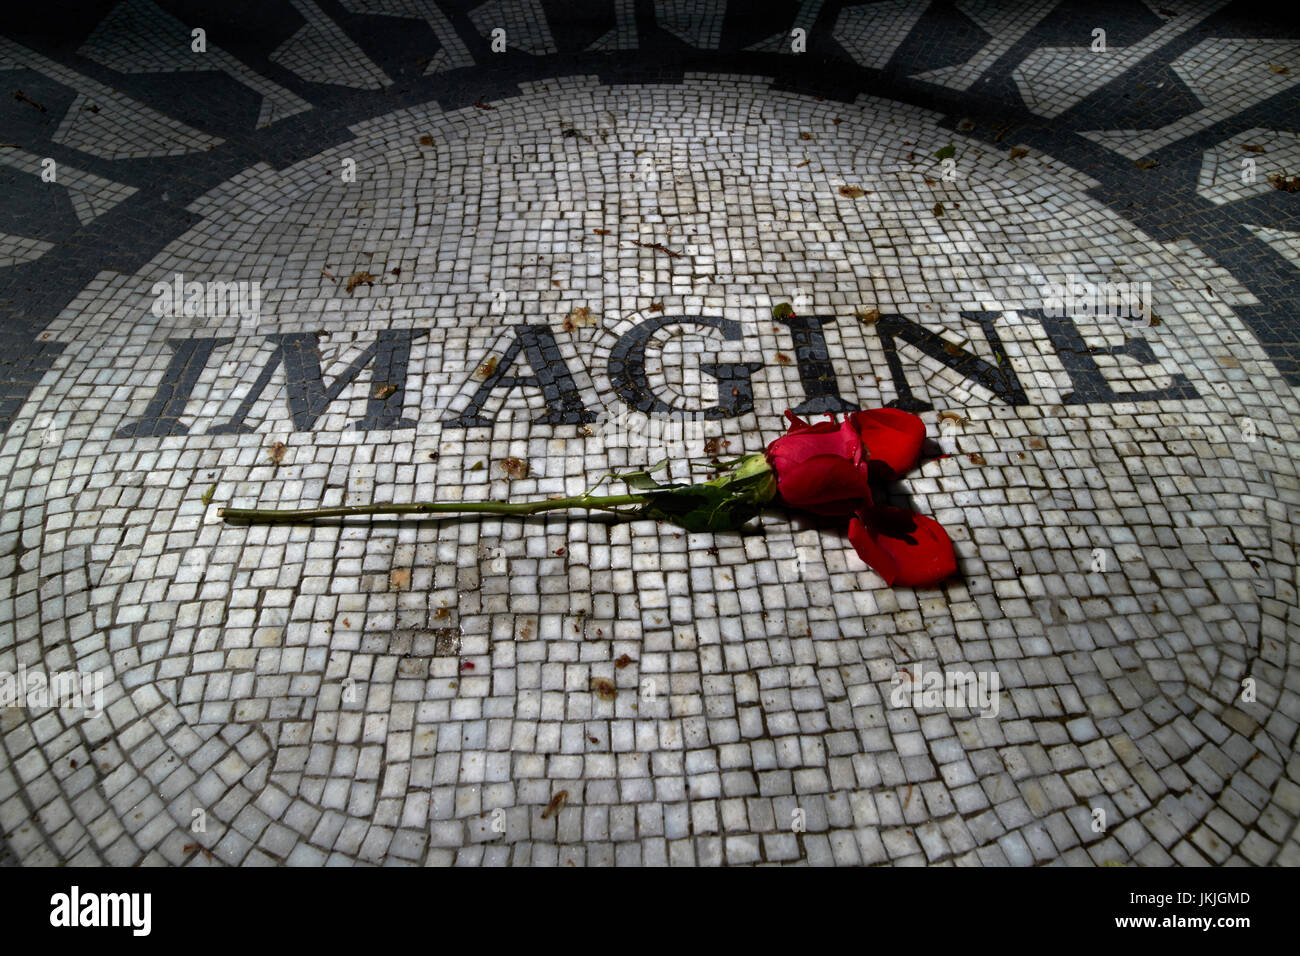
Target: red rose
(825,468)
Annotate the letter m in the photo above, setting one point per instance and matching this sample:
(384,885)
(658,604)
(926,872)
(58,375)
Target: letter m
(308,394)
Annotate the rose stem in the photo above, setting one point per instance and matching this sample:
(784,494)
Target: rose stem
(261,515)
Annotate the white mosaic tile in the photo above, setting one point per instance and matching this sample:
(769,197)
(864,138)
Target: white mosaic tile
(1240,167)
(1227,76)
(138,36)
(1005,23)
(871,32)
(17,249)
(322,52)
(103,122)
(91,195)
(1054,79)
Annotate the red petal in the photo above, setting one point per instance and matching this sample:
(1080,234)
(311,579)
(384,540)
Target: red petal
(892,437)
(799,444)
(906,549)
(864,542)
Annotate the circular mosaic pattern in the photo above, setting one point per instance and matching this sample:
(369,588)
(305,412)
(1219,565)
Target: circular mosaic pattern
(565,689)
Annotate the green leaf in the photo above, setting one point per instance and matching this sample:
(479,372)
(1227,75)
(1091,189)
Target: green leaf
(947,152)
(207,495)
(641,480)
(782,310)
(699,508)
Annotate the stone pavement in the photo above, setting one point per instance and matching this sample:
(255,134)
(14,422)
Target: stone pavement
(350,252)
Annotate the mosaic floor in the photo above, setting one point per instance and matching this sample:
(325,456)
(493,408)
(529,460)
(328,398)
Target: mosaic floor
(429,267)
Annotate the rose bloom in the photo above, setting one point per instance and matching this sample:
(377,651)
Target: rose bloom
(827,467)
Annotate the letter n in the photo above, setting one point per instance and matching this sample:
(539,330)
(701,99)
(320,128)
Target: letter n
(997,378)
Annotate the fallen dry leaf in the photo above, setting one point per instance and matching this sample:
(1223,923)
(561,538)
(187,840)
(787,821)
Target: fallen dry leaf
(783,359)
(1252,148)
(1017,152)
(360,278)
(1288,184)
(577,318)
(622,661)
(1279,70)
(486,369)
(867,316)
(604,688)
(803,164)
(805,135)
(277,451)
(601,232)
(657,307)
(977,459)
(385,390)
(1146,163)
(426,140)
(515,467)
(556,803)
(852,192)
(483,106)
(938,209)
(399,578)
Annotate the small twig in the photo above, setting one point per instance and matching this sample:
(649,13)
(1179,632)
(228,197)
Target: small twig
(24,98)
